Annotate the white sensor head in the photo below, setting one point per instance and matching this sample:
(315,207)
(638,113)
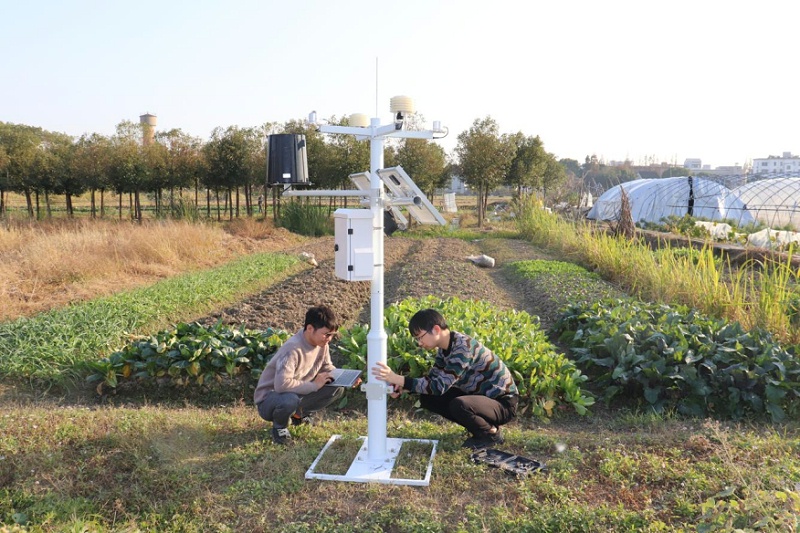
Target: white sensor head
(358,120)
(401,104)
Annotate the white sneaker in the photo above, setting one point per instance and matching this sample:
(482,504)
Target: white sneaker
(281,435)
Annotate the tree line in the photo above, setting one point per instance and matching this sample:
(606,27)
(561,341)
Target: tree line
(225,173)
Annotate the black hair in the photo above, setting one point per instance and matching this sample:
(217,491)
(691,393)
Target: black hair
(424,320)
(321,316)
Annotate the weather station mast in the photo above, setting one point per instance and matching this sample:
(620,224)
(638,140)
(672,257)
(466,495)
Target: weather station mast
(359,256)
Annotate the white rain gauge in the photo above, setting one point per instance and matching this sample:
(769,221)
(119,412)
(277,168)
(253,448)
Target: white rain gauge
(359,254)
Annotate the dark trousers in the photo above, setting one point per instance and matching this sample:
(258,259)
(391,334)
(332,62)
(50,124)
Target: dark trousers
(277,407)
(475,412)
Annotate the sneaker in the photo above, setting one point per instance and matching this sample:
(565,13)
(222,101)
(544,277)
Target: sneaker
(485,440)
(300,420)
(281,435)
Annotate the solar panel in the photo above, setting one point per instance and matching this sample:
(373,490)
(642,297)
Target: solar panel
(402,186)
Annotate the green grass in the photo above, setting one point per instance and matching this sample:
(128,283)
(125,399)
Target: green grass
(151,468)
(565,283)
(306,219)
(135,465)
(757,295)
(53,345)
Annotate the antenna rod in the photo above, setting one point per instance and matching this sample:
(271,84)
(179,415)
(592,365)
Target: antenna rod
(376,86)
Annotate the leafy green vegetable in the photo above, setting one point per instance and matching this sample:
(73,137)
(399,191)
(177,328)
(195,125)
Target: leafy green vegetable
(676,357)
(546,378)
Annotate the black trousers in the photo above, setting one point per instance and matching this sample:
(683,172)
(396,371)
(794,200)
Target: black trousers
(277,407)
(477,413)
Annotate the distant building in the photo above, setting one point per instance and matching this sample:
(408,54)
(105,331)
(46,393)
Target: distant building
(785,164)
(731,170)
(699,169)
(693,164)
(458,186)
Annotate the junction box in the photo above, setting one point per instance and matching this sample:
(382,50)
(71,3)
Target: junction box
(353,252)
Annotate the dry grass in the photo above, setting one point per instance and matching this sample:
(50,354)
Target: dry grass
(49,264)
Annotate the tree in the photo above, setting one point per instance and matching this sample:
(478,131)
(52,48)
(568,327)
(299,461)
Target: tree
(599,177)
(228,162)
(91,164)
(554,174)
(348,156)
(424,161)
(182,163)
(21,145)
(4,181)
(40,177)
(128,171)
(529,164)
(675,171)
(484,159)
(65,178)
(572,167)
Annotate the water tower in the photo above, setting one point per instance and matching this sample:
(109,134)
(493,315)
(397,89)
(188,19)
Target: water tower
(148,123)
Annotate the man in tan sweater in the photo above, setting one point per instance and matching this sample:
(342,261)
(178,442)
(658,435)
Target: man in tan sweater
(292,386)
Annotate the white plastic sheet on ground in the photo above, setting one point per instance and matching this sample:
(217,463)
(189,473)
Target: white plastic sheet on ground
(770,238)
(719,231)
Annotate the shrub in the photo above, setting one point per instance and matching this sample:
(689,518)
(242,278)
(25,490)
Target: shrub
(306,219)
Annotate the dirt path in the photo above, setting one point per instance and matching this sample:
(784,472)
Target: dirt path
(413,268)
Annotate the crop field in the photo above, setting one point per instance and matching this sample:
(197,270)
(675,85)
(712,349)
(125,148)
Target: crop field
(185,450)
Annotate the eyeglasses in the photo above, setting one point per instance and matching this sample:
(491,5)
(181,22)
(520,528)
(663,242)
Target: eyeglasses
(419,338)
(330,334)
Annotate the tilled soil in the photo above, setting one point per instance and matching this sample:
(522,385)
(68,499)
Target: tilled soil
(412,268)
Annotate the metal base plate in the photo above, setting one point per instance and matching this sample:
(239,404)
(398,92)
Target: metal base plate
(364,470)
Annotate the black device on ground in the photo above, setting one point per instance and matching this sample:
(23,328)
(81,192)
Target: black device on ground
(509,463)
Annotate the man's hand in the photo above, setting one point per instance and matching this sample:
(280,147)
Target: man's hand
(384,373)
(323,378)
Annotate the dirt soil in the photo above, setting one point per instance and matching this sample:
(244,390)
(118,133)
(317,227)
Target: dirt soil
(412,268)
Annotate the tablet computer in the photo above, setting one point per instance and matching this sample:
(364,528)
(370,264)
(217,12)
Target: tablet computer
(344,377)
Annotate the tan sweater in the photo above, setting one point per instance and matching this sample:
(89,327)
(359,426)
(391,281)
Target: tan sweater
(293,368)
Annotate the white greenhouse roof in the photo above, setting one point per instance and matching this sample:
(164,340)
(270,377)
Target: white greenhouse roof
(774,202)
(654,199)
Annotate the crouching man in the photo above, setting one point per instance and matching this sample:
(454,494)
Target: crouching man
(292,386)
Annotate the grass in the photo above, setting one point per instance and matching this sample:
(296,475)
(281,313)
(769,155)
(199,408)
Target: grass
(412,460)
(339,456)
(209,465)
(158,468)
(756,295)
(51,346)
(45,265)
(565,283)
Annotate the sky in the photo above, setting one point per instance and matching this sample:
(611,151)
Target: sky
(637,80)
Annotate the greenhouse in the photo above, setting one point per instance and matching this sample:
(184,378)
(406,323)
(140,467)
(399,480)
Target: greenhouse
(775,202)
(652,200)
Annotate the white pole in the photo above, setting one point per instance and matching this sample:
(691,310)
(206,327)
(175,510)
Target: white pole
(376,390)
(376,339)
